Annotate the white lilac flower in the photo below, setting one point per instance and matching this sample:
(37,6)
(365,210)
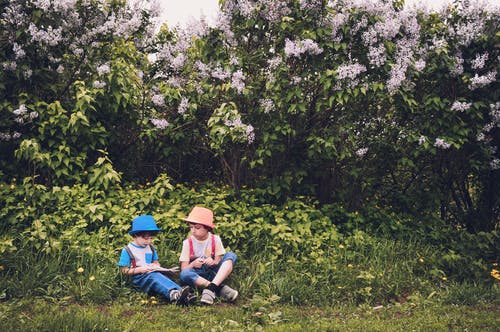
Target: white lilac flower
(158,100)
(458,65)
(99,84)
(296,80)
(421,140)
(419,65)
(4,136)
(460,106)
(103,69)
(16,135)
(361,152)
(21,110)
(274,10)
(376,55)
(246,8)
(495,164)
(27,73)
(350,71)
(220,73)
(267,105)
(178,61)
(233,60)
(479,61)
(12,66)
(250,134)
(60,69)
(238,81)
(175,81)
(441,144)
(274,62)
(159,123)
(482,81)
(18,51)
(42,4)
(299,47)
(183,106)
(33,115)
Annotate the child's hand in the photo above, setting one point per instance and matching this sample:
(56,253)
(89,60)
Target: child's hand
(209,261)
(198,262)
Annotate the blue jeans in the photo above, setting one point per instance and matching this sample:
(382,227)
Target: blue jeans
(155,283)
(189,276)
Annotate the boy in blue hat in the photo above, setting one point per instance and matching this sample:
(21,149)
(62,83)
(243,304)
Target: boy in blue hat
(140,261)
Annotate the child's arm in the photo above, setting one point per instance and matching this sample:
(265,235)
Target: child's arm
(130,271)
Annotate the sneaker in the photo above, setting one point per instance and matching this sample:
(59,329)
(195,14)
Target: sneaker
(179,296)
(191,298)
(207,297)
(227,293)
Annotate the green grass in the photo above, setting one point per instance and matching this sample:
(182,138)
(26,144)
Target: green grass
(250,315)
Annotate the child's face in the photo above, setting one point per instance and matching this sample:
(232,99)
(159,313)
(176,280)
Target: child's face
(144,238)
(200,232)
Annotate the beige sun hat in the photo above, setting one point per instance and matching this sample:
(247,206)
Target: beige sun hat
(202,216)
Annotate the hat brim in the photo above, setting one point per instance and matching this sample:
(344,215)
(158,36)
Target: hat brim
(194,221)
(144,230)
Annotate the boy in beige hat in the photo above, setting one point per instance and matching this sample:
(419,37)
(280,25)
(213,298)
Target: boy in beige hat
(204,261)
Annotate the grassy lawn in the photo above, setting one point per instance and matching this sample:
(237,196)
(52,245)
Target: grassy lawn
(41,315)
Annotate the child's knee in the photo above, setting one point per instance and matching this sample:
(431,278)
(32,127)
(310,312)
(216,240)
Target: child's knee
(230,256)
(188,276)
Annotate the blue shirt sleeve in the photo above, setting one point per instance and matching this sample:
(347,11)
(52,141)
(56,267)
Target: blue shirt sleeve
(124,259)
(155,256)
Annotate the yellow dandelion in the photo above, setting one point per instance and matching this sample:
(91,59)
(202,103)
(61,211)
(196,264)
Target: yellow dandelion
(341,246)
(494,264)
(144,301)
(80,270)
(421,260)
(153,302)
(350,266)
(91,278)
(495,274)
(153,298)
(2,267)
(444,278)
(12,187)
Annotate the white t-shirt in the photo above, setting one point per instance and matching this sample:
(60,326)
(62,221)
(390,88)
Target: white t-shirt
(202,248)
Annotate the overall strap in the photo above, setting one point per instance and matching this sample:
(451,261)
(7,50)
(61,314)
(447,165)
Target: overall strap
(152,252)
(213,246)
(132,258)
(191,250)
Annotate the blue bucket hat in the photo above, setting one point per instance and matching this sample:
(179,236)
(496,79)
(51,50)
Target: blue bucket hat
(144,223)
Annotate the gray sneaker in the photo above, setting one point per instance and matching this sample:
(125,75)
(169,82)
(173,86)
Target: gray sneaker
(179,296)
(227,293)
(207,297)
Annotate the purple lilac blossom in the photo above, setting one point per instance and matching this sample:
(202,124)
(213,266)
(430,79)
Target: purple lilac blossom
(99,84)
(480,60)
(159,123)
(460,106)
(481,81)
(441,144)
(183,106)
(158,100)
(267,105)
(299,47)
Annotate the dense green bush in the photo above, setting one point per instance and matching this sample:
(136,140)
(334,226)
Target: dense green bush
(64,242)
